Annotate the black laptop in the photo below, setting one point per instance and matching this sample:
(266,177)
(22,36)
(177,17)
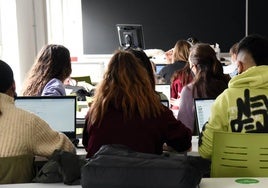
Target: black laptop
(58,111)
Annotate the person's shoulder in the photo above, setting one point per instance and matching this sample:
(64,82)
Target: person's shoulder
(188,87)
(54,87)
(179,63)
(54,81)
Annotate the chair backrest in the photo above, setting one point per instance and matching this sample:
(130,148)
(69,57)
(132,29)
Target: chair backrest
(83,78)
(17,169)
(239,155)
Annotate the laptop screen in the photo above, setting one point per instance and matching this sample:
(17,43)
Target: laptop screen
(165,89)
(158,67)
(202,111)
(58,112)
(165,103)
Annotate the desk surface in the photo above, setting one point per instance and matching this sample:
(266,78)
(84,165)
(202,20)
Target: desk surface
(39,185)
(234,183)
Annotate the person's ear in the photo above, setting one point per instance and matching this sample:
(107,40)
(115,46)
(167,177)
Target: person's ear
(240,67)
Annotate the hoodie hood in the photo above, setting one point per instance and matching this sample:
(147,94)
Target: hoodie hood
(254,77)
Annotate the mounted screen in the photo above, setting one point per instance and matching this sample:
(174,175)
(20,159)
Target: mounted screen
(130,35)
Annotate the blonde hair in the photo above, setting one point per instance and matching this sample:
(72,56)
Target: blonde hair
(181,51)
(126,87)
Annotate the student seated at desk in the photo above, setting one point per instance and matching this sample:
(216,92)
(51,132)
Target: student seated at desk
(51,68)
(208,82)
(242,107)
(23,135)
(126,110)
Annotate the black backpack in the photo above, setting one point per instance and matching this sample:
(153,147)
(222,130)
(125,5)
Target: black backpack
(115,166)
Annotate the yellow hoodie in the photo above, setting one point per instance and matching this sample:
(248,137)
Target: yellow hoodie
(240,108)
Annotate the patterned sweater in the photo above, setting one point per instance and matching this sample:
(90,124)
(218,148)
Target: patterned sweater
(24,133)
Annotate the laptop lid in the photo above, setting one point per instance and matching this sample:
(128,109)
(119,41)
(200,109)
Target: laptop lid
(202,111)
(165,89)
(165,102)
(58,111)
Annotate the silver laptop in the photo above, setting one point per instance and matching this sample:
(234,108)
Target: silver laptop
(202,111)
(59,112)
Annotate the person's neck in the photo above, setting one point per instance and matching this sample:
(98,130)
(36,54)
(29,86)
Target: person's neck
(10,93)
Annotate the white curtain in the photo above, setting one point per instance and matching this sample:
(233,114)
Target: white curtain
(9,36)
(64,18)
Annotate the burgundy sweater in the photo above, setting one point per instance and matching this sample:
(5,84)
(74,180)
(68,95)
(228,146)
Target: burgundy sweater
(146,135)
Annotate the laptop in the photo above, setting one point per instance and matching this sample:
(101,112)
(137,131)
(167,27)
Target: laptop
(165,102)
(165,89)
(158,67)
(58,111)
(202,111)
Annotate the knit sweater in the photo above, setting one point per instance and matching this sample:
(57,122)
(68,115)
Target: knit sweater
(23,133)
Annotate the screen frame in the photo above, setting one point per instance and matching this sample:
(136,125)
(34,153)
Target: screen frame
(69,134)
(134,31)
(197,127)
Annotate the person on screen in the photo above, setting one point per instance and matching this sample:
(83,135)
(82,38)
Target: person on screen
(126,110)
(22,134)
(51,68)
(179,58)
(242,107)
(208,82)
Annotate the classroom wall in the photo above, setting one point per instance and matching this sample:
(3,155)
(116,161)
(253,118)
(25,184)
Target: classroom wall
(164,22)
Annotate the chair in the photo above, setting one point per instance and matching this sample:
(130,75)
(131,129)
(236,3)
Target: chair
(83,78)
(17,169)
(240,155)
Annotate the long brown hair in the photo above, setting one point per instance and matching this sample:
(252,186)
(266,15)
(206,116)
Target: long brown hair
(209,80)
(181,51)
(53,61)
(126,86)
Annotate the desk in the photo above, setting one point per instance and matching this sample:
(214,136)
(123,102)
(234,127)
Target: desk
(38,185)
(234,183)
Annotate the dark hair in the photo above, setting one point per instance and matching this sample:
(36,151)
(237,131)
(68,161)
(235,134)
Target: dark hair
(209,80)
(145,62)
(6,77)
(53,61)
(257,46)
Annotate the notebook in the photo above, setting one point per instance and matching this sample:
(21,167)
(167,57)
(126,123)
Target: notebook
(58,111)
(202,111)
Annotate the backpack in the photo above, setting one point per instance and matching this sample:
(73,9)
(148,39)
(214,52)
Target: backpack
(116,166)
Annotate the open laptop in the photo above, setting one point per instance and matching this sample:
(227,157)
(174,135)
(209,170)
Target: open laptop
(165,102)
(202,111)
(158,67)
(58,111)
(165,89)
